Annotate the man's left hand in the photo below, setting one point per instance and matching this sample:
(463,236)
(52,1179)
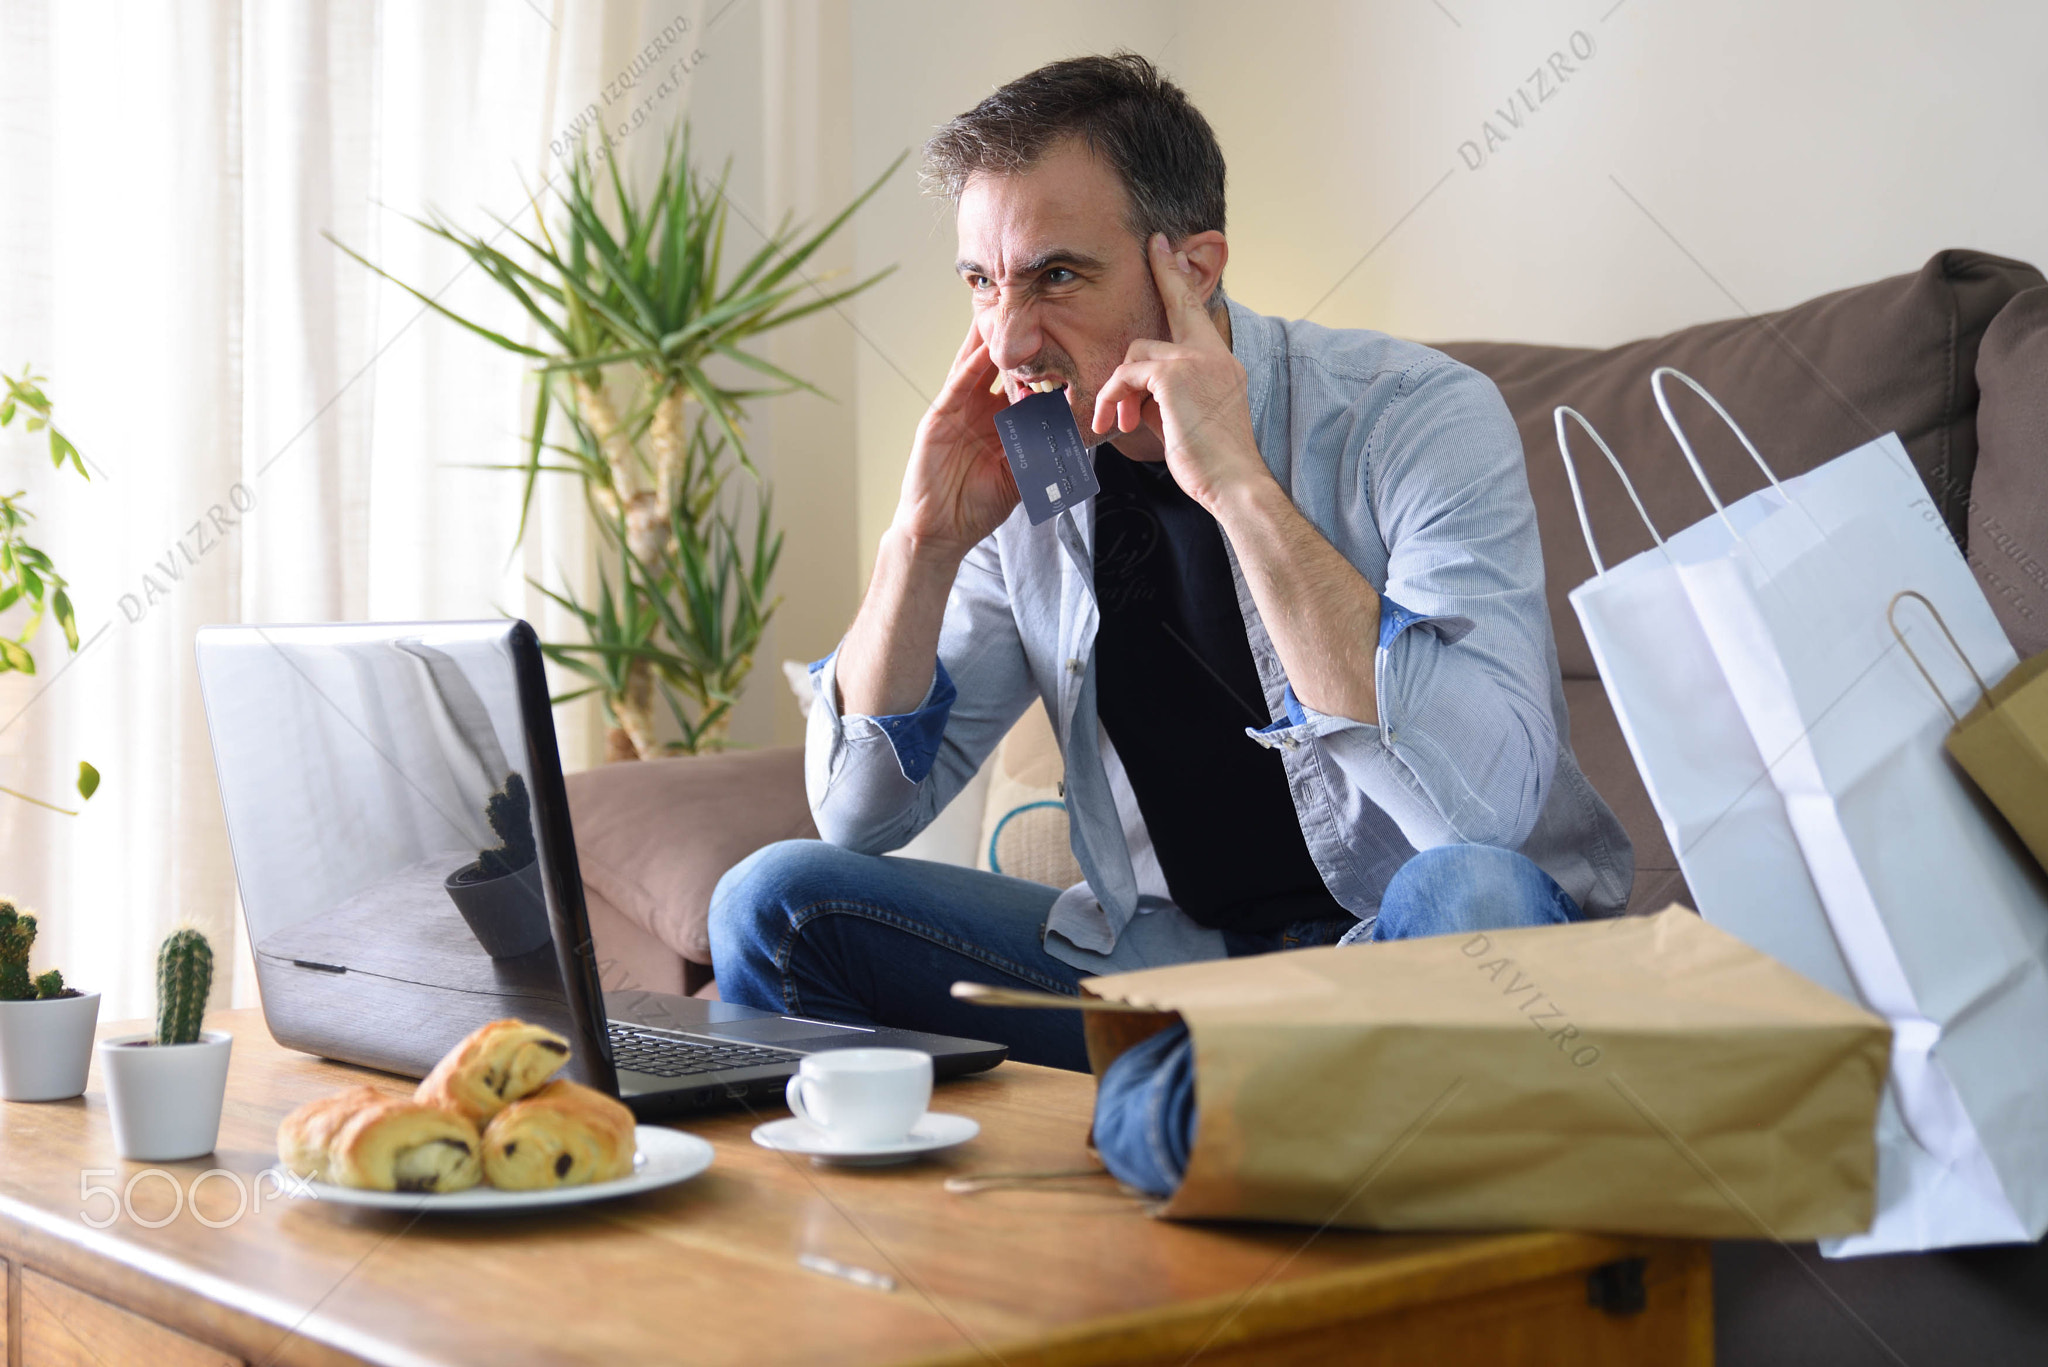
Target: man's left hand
(1189,390)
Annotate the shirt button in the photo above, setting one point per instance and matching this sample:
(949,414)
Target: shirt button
(1290,742)
(1074,666)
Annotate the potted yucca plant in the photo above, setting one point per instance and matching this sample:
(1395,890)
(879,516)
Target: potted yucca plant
(165,1089)
(636,309)
(45,1027)
(499,893)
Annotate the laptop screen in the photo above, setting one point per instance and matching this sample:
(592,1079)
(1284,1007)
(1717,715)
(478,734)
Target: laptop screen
(394,801)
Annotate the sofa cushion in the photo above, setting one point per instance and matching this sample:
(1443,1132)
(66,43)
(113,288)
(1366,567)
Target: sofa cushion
(653,837)
(2009,496)
(1807,384)
(1024,823)
(630,957)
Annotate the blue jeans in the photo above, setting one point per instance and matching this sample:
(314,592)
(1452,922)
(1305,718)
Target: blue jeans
(816,930)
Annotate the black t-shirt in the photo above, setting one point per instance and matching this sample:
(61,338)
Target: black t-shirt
(1176,688)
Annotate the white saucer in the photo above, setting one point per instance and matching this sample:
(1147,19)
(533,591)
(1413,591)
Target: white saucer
(934,1130)
(663,1157)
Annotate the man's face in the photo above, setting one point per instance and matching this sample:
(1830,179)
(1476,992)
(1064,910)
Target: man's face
(1061,285)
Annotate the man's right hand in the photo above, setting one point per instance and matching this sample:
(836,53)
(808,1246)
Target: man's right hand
(957,490)
(959,487)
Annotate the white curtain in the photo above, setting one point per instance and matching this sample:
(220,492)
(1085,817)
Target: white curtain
(274,434)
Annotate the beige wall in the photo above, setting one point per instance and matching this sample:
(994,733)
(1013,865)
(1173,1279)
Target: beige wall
(1704,160)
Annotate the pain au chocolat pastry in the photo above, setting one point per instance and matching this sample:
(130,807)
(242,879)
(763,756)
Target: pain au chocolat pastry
(495,1065)
(563,1135)
(362,1137)
(305,1138)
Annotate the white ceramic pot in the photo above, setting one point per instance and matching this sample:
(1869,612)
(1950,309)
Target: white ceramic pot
(165,1098)
(46,1046)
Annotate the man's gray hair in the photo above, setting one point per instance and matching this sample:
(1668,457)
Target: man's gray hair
(1138,122)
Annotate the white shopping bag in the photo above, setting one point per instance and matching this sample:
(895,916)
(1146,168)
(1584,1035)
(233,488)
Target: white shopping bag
(1705,777)
(1939,916)
(1713,794)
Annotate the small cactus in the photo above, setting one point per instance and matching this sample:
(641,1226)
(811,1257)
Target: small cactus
(511,818)
(184,977)
(17,937)
(50,984)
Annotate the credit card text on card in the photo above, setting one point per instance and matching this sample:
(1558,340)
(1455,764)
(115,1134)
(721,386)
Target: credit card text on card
(1046,454)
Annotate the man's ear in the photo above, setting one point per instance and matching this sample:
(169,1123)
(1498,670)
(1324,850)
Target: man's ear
(1207,252)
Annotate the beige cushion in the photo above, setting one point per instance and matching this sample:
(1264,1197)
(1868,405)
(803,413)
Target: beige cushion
(629,956)
(653,837)
(1024,822)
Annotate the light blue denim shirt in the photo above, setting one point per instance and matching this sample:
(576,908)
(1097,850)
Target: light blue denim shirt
(1409,464)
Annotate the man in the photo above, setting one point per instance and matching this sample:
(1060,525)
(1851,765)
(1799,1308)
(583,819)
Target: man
(1296,651)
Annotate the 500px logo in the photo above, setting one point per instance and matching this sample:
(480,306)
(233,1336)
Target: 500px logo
(101,1204)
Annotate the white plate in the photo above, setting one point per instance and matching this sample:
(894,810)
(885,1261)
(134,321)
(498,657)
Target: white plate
(664,1157)
(934,1130)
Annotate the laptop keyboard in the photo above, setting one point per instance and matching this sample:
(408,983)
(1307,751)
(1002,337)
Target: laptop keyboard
(645,1051)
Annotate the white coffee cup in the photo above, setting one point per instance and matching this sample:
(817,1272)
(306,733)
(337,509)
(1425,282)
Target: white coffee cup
(862,1096)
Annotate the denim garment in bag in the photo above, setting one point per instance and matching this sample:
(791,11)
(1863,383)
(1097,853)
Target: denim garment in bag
(1410,465)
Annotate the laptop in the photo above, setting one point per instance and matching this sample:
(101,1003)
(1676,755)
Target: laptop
(401,839)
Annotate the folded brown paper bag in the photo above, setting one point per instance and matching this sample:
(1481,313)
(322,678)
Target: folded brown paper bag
(1647,1075)
(2002,742)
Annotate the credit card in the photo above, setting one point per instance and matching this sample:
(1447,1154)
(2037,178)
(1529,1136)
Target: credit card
(1047,455)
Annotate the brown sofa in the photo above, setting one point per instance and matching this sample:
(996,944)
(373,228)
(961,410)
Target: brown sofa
(1953,357)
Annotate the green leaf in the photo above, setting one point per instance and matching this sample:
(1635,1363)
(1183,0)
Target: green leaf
(61,448)
(506,342)
(796,258)
(88,779)
(606,358)
(6,412)
(60,603)
(15,657)
(767,368)
(36,424)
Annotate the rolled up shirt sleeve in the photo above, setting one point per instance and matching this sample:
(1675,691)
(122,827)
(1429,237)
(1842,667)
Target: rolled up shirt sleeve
(913,735)
(1465,744)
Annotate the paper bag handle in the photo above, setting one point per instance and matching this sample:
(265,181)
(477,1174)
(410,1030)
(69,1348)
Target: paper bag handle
(1571,473)
(1891,618)
(1664,407)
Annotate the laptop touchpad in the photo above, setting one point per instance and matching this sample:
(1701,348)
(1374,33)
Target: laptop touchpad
(774,1028)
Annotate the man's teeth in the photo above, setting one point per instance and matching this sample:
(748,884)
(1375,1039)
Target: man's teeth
(1035,386)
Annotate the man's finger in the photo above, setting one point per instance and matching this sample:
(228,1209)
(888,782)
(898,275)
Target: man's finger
(970,341)
(970,371)
(1185,317)
(1129,383)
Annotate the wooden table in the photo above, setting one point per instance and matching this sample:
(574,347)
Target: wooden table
(707,1271)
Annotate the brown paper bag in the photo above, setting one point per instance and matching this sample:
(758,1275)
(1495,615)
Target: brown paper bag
(2002,742)
(1648,1075)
